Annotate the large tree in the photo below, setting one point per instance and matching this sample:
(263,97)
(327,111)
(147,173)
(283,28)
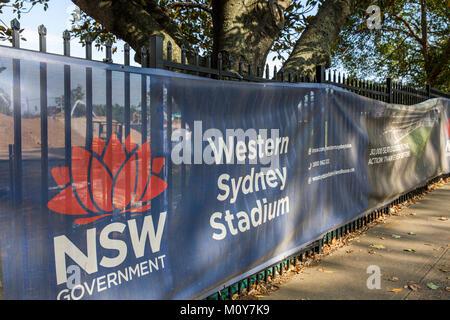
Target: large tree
(252,28)
(412,44)
(246,28)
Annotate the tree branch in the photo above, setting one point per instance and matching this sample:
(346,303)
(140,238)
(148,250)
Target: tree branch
(190,5)
(408,26)
(314,45)
(133,23)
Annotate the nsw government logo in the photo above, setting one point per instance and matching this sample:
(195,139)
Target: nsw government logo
(106,180)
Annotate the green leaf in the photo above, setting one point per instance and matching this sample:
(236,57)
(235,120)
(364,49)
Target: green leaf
(432,286)
(409,250)
(396,236)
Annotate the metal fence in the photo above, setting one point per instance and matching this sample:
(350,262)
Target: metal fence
(153,57)
(389,91)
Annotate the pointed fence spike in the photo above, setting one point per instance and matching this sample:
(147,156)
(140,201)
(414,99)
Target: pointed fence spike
(15,28)
(126,54)
(219,59)
(88,43)
(196,57)
(208,60)
(143,57)
(183,54)
(240,65)
(42,31)
(169,51)
(66,38)
(108,51)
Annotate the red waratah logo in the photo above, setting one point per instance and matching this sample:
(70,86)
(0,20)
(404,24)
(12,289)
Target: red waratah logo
(113,178)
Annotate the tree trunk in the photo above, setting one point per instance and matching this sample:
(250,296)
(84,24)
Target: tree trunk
(314,46)
(247,28)
(241,28)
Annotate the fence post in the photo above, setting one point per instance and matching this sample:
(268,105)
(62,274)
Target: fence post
(44,114)
(156,51)
(17,116)
(66,38)
(109,112)
(15,28)
(89,123)
(108,52)
(428,90)
(389,90)
(320,74)
(67,103)
(42,31)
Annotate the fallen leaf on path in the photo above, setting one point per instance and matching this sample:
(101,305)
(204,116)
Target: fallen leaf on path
(444,270)
(447,288)
(349,251)
(412,233)
(409,250)
(432,286)
(377,246)
(397,290)
(427,244)
(396,236)
(253,292)
(371,251)
(321,269)
(393,279)
(413,286)
(412,214)
(443,218)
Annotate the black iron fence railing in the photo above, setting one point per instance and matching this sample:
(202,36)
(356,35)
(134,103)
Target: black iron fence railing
(389,91)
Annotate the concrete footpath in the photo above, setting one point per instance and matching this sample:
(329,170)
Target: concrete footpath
(410,249)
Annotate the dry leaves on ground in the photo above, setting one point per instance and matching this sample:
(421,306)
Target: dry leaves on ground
(393,279)
(413,286)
